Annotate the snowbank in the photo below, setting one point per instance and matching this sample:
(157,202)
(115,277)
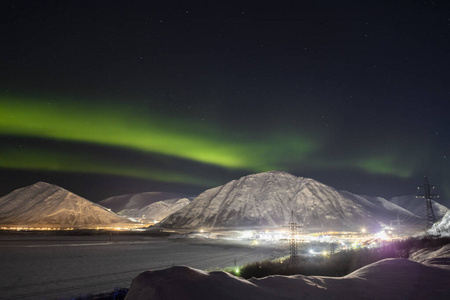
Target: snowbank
(441,227)
(386,279)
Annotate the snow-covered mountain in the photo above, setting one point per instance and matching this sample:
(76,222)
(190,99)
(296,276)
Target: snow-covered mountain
(46,205)
(156,211)
(137,202)
(418,207)
(379,205)
(267,199)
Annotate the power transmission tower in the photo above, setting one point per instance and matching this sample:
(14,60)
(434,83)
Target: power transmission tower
(292,225)
(333,248)
(428,196)
(396,224)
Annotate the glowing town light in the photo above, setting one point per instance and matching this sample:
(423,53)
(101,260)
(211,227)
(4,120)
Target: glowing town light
(247,234)
(363,230)
(382,235)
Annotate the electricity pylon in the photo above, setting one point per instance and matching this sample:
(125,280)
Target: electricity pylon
(292,225)
(428,196)
(397,223)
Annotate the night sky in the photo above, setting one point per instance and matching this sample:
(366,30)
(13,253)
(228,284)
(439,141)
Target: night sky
(112,97)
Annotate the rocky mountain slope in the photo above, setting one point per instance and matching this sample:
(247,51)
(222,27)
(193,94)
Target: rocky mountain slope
(137,202)
(418,206)
(267,199)
(47,205)
(146,207)
(156,211)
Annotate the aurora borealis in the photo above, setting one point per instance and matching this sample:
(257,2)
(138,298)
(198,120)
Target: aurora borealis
(187,96)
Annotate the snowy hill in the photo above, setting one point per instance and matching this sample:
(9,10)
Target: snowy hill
(47,205)
(379,205)
(155,211)
(137,202)
(418,206)
(441,227)
(266,199)
(385,279)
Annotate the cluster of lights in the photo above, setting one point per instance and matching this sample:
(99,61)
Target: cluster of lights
(19,228)
(282,236)
(324,253)
(121,228)
(342,240)
(24,228)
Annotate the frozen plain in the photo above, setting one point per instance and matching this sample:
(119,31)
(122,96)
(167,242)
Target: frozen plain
(59,267)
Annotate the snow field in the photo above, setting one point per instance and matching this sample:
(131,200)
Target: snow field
(61,267)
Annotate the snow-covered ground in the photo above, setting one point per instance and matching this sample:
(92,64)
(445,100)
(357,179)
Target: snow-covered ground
(385,279)
(57,267)
(441,227)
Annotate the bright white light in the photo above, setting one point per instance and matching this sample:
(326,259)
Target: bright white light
(247,234)
(382,235)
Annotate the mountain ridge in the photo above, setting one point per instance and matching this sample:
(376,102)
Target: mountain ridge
(44,204)
(267,199)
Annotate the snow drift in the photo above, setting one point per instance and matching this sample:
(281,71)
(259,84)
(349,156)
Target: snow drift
(386,279)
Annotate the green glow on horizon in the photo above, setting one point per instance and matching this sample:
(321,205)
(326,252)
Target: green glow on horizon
(391,162)
(120,126)
(385,165)
(139,129)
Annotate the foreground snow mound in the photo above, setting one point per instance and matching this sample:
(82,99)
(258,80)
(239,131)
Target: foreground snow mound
(386,279)
(188,283)
(441,227)
(47,205)
(267,199)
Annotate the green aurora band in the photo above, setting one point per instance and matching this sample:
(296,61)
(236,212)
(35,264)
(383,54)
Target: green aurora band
(114,125)
(38,159)
(145,131)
